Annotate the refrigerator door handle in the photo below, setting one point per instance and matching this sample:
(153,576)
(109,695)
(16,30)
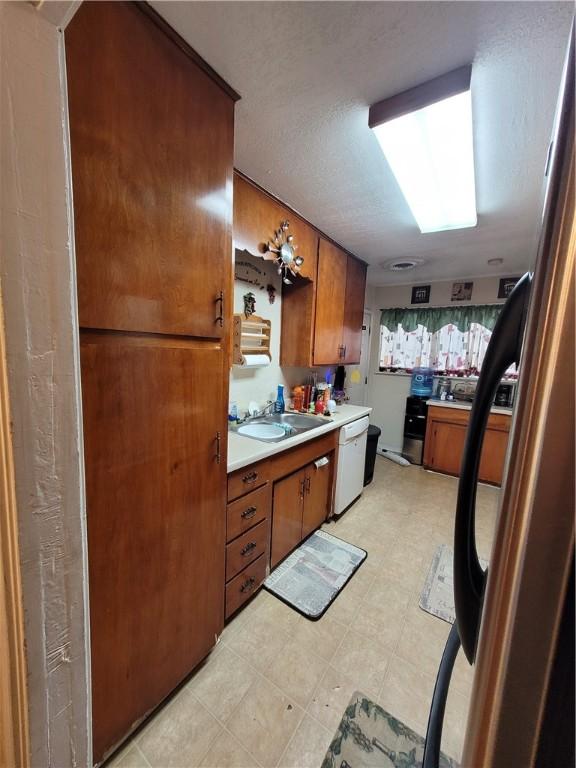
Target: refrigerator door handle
(431,757)
(503,350)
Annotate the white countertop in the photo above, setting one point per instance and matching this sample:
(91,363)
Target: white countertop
(245,450)
(464,406)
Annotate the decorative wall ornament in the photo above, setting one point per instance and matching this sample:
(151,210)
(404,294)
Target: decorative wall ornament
(249,304)
(271,293)
(420,294)
(506,286)
(282,251)
(248,272)
(462,291)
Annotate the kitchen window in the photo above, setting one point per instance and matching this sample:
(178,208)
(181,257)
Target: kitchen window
(446,339)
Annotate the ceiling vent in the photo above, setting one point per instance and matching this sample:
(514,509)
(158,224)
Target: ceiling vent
(401,265)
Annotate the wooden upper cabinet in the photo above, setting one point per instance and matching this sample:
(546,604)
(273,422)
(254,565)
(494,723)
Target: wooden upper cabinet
(257,215)
(330,301)
(354,309)
(151,223)
(321,314)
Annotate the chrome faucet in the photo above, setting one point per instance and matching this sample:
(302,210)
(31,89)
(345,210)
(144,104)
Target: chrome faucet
(269,407)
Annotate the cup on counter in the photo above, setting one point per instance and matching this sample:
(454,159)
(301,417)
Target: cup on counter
(332,406)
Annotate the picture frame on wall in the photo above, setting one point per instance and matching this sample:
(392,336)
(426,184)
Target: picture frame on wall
(420,294)
(506,286)
(462,291)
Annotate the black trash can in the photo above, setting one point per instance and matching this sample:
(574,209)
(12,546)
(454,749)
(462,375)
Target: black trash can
(371,446)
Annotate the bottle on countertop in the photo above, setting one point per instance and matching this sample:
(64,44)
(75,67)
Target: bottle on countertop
(233,411)
(279,406)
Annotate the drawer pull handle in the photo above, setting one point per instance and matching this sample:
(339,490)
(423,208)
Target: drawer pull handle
(251,477)
(248,548)
(248,513)
(248,584)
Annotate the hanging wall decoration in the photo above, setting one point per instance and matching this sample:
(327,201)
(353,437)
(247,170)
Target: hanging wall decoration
(506,286)
(420,294)
(271,293)
(248,272)
(282,251)
(249,304)
(462,291)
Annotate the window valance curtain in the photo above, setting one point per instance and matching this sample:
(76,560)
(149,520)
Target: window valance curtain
(435,318)
(449,339)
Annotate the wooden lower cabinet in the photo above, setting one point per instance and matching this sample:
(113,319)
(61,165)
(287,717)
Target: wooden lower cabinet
(156,519)
(272,505)
(317,495)
(247,535)
(287,510)
(245,584)
(300,505)
(445,437)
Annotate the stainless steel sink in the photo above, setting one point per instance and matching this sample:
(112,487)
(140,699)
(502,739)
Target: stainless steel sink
(291,423)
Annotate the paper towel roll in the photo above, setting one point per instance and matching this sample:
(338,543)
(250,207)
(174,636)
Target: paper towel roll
(255,361)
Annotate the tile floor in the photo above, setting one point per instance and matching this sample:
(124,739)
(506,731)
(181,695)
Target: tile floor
(273,690)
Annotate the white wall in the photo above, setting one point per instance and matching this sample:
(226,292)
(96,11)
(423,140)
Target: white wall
(38,287)
(485,291)
(387,392)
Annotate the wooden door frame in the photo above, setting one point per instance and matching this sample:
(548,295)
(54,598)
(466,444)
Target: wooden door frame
(14,740)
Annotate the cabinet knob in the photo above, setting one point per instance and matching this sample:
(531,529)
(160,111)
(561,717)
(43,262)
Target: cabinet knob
(248,584)
(248,513)
(248,548)
(251,477)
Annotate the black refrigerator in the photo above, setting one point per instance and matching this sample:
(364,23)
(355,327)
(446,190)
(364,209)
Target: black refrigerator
(515,621)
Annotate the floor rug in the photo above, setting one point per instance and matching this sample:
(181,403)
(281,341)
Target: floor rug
(313,575)
(437,596)
(370,737)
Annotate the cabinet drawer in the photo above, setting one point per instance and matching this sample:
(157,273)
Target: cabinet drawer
(246,548)
(245,512)
(246,479)
(244,585)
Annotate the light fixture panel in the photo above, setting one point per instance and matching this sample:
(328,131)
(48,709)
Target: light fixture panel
(431,154)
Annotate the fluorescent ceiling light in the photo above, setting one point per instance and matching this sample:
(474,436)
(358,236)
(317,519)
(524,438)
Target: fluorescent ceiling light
(430,152)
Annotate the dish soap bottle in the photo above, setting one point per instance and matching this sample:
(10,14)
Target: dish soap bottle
(279,404)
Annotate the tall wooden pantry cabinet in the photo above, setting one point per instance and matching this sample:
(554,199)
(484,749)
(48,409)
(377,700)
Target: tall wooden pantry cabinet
(151,129)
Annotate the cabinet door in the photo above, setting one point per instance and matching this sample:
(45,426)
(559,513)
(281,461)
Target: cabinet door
(156,518)
(287,516)
(444,451)
(317,486)
(152,139)
(493,456)
(258,215)
(354,309)
(330,298)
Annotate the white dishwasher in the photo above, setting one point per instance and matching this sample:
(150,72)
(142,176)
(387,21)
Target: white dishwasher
(351,459)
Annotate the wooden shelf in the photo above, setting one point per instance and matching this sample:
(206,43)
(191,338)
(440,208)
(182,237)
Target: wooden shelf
(251,336)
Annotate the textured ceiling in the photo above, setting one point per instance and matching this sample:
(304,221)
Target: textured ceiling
(307,73)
